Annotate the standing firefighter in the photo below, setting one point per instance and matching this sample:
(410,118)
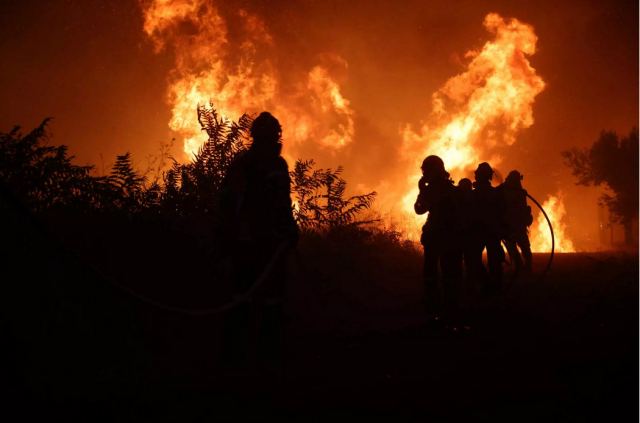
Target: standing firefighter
(517,219)
(256,203)
(465,205)
(442,256)
(488,230)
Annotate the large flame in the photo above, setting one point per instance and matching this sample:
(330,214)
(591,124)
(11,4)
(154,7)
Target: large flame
(472,114)
(477,110)
(540,234)
(236,74)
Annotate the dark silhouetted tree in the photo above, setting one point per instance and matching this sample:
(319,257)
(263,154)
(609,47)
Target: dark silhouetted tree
(612,162)
(42,176)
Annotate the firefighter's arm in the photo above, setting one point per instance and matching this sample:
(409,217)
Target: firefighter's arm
(286,227)
(422,202)
(420,206)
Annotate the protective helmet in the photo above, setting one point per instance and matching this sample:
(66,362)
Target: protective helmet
(513,178)
(265,129)
(433,168)
(465,184)
(484,172)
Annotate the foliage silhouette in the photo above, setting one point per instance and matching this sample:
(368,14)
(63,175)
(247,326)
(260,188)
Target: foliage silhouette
(320,198)
(193,188)
(612,162)
(44,178)
(128,186)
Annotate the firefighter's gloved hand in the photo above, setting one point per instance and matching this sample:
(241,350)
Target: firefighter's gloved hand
(422,183)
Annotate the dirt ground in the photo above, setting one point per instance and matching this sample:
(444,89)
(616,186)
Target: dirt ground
(562,348)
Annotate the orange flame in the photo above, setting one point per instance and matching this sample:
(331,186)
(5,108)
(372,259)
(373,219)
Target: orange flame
(540,234)
(238,77)
(477,110)
(474,112)
(328,96)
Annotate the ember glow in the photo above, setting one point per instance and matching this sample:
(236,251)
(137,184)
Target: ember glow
(238,76)
(540,234)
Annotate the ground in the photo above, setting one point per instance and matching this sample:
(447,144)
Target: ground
(559,348)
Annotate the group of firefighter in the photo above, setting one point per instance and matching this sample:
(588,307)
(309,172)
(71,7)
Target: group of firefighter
(463,221)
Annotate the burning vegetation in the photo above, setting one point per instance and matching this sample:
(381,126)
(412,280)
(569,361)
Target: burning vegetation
(540,234)
(227,61)
(127,281)
(238,75)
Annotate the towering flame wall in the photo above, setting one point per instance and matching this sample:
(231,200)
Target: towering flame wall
(237,75)
(477,110)
(472,114)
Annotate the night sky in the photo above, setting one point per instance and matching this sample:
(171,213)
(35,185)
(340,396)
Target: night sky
(89,65)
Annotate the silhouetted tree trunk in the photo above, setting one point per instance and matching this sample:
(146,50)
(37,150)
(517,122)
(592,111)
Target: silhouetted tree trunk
(628,231)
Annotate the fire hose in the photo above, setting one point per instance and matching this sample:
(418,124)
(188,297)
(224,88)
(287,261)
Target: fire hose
(553,242)
(18,207)
(551,255)
(237,300)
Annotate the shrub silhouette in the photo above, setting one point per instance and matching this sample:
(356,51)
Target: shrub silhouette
(320,198)
(44,177)
(128,186)
(193,188)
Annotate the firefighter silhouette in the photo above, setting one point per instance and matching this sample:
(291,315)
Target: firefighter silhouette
(466,230)
(487,231)
(442,255)
(517,218)
(256,205)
